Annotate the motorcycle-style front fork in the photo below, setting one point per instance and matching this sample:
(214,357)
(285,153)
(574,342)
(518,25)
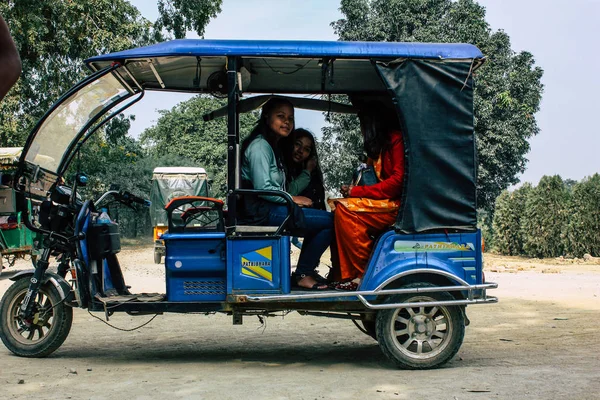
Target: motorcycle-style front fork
(35,283)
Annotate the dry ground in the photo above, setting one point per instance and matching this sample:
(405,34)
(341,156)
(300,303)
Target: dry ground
(541,341)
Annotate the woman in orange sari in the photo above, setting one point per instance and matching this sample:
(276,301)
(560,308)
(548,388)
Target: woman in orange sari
(367,211)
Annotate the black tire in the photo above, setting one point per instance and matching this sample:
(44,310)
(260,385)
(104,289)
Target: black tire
(46,333)
(157,257)
(420,337)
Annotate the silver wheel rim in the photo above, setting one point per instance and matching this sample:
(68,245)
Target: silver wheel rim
(421,332)
(36,330)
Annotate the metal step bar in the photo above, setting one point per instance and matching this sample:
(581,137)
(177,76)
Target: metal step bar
(482,298)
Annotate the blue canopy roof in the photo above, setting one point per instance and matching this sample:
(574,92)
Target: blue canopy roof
(297,48)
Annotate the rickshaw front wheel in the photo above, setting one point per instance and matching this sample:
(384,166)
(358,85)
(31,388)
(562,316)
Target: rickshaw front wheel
(45,332)
(420,337)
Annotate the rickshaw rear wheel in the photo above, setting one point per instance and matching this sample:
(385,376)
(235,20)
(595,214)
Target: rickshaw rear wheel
(420,337)
(42,335)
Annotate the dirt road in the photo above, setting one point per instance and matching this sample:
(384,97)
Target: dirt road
(542,341)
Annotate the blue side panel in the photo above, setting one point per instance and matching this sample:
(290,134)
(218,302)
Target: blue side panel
(297,48)
(193,235)
(195,267)
(258,265)
(456,255)
(108,283)
(84,219)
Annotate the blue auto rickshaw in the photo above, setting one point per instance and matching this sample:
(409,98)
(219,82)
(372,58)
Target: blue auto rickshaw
(422,273)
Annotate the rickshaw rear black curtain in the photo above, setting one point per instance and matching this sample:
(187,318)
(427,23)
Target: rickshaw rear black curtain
(434,100)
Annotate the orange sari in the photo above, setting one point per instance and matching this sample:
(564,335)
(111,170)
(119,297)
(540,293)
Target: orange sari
(357,220)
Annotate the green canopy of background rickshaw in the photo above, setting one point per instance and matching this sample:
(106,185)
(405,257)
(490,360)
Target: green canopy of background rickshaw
(171,182)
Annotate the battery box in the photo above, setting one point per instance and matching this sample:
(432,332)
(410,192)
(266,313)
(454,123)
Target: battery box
(195,266)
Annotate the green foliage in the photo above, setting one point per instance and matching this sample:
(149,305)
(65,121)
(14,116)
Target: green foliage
(570,184)
(181,132)
(555,218)
(111,158)
(54,37)
(340,148)
(484,223)
(582,232)
(509,210)
(507,94)
(502,224)
(178,16)
(545,218)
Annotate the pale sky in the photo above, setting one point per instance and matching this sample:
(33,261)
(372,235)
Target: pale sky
(562,35)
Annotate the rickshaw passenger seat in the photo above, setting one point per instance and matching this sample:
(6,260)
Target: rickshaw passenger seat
(256,229)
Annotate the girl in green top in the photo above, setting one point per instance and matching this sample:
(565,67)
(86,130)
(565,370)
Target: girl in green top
(263,169)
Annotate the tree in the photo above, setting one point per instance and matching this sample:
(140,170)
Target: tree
(507,92)
(182,132)
(53,38)
(178,16)
(570,184)
(509,211)
(485,224)
(115,159)
(340,148)
(545,218)
(584,218)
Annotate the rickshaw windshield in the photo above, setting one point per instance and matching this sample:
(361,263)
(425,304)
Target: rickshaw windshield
(63,126)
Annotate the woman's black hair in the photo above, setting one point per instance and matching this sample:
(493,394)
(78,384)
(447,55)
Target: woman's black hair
(316,190)
(287,148)
(262,126)
(376,122)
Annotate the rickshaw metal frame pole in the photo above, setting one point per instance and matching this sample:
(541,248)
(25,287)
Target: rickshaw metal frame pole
(386,292)
(233,138)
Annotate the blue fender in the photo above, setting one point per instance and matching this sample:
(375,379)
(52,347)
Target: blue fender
(406,268)
(61,285)
(387,265)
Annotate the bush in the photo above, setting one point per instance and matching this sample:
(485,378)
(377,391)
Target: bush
(545,218)
(484,222)
(506,225)
(583,228)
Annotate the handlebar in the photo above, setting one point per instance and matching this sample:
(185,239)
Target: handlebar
(124,197)
(127,196)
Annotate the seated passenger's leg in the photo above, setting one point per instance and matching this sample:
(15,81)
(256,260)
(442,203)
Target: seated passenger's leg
(353,236)
(317,238)
(318,235)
